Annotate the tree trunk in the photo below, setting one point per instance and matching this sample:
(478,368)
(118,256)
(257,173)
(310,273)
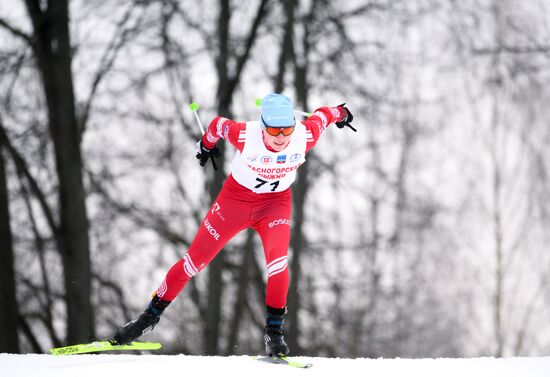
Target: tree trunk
(227,85)
(299,193)
(299,188)
(53,54)
(287,47)
(243,282)
(8,315)
(215,268)
(497,183)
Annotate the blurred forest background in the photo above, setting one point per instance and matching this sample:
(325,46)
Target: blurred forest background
(424,234)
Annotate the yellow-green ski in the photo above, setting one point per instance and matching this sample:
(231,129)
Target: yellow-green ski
(283,360)
(104,345)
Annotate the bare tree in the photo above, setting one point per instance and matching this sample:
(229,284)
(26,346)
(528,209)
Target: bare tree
(8,318)
(51,45)
(503,59)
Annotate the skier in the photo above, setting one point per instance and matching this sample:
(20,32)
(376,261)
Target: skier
(255,195)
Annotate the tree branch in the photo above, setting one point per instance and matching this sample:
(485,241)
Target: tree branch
(27,331)
(15,31)
(140,216)
(516,50)
(107,60)
(22,166)
(241,60)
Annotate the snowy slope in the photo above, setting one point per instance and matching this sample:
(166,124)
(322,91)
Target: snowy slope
(244,366)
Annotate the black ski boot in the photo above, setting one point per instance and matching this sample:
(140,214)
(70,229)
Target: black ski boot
(273,333)
(144,324)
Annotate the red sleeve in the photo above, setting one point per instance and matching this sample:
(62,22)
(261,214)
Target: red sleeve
(319,121)
(226,129)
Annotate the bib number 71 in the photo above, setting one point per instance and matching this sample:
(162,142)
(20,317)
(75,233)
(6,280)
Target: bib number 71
(274,185)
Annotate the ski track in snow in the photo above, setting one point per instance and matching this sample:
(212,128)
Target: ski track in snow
(244,366)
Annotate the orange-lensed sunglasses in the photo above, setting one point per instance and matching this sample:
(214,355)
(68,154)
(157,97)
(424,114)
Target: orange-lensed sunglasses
(276,131)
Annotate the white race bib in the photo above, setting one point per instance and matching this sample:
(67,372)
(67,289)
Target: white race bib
(263,171)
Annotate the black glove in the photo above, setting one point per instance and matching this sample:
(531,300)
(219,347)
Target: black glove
(203,154)
(346,119)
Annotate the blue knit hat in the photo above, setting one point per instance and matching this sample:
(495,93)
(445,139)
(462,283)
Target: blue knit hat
(277,111)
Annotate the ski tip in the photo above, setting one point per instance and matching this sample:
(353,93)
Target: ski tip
(147,345)
(258,102)
(194,106)
(283,360)
(292,362)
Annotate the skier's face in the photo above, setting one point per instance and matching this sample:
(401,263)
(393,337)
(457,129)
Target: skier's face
(277,143)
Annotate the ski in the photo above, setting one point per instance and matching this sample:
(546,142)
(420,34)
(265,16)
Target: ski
(283,360)
(105,345)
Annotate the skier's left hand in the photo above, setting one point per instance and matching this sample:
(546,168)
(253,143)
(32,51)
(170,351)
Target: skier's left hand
(346,119)
(203,154)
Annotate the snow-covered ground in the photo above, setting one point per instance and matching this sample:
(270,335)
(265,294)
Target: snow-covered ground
(244,366)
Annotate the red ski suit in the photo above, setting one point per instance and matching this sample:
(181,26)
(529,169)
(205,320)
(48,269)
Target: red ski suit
(237,208)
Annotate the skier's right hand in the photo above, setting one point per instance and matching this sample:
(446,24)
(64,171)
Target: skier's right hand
(203,154)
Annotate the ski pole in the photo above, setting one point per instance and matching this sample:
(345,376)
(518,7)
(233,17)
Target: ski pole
(194,107)
(300,112)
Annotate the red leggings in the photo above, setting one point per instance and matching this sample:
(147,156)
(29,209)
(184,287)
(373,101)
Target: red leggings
(235,209)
